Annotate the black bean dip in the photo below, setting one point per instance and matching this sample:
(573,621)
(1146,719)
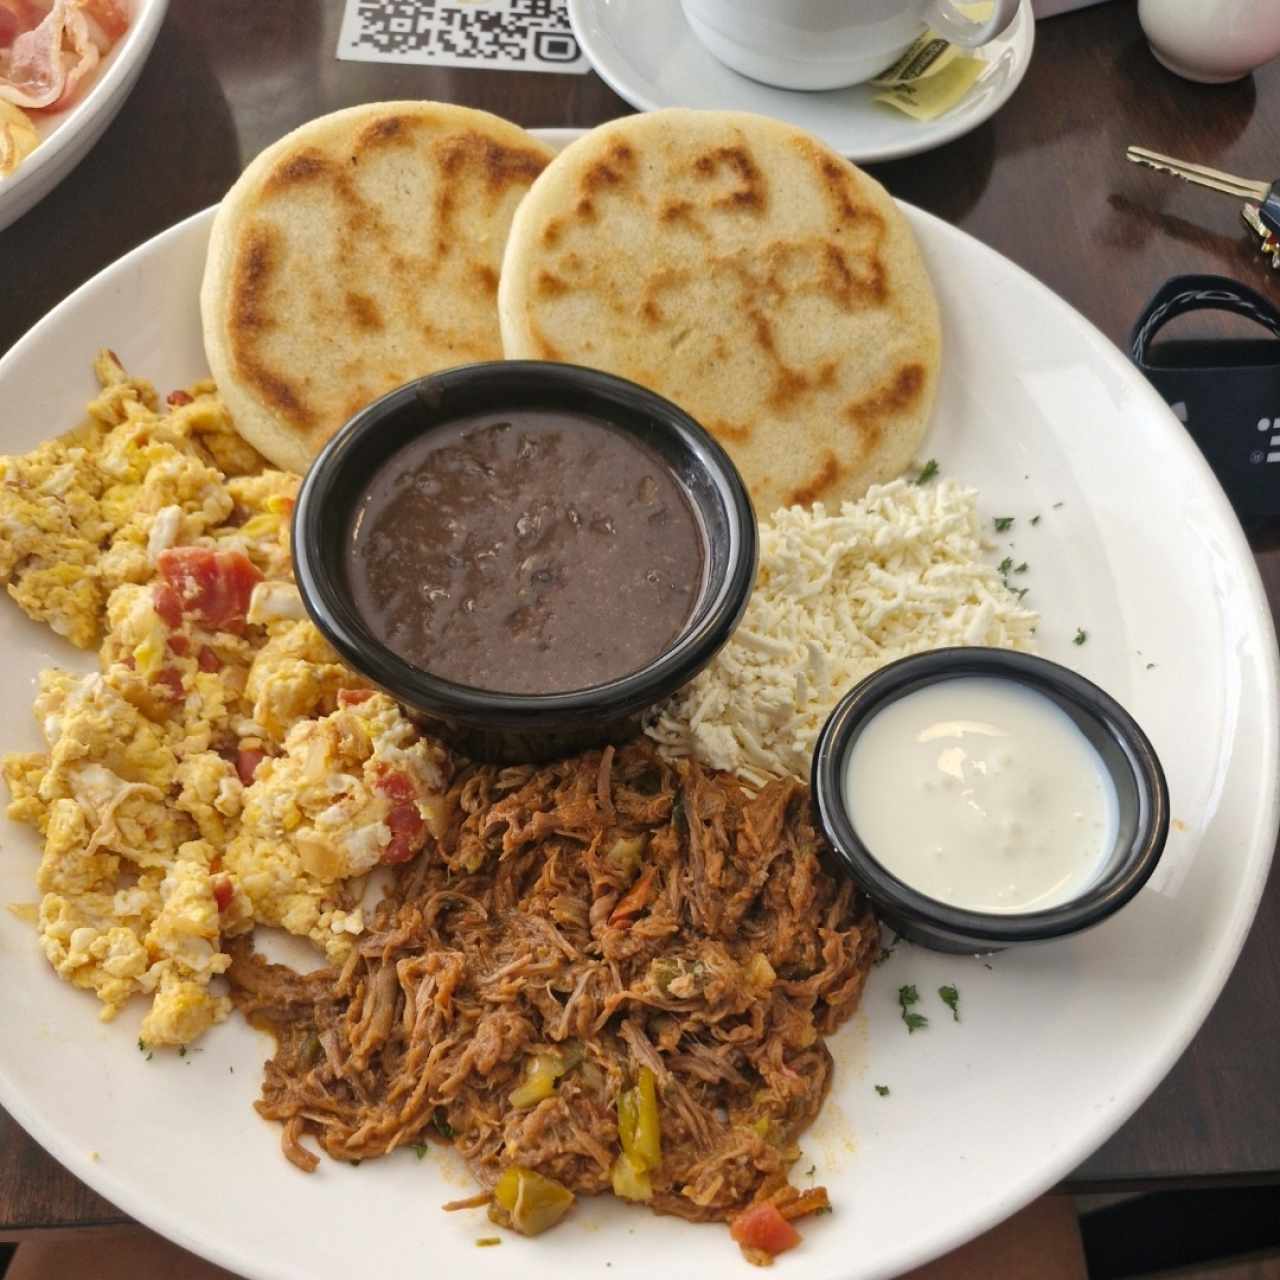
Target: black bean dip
(525,552)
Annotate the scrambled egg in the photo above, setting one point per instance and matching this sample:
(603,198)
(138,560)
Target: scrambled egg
(223,768)
(18,137)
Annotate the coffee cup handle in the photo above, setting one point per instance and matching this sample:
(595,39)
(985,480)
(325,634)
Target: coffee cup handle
(950,23)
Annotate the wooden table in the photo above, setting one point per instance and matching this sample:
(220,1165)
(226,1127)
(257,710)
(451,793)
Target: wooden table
(1044,182)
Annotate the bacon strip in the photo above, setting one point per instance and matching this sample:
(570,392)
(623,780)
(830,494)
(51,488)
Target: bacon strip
(83,49)
(17,16)
(31,72)
(42,65)
(108,20)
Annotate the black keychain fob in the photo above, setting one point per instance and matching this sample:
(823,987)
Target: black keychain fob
(1226,392)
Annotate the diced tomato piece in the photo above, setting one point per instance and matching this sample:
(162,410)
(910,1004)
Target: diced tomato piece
(213,587)
(408,830)
(207,660)
(635,899)
(395,785)
(763,1227)
(353,697)
(247,761)
(180,645)
(175,399)
(171,681)
(167,604)
(408,834)
(223,892)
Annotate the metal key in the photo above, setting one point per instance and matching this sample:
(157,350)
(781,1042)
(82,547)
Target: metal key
(1267,194)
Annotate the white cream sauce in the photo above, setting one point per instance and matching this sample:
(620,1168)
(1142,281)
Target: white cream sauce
(982,793)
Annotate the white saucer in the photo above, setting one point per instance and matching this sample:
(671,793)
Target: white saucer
(644,51)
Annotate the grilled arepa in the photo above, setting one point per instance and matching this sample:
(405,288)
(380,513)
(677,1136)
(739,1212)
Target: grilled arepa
(358,252)
(744,270)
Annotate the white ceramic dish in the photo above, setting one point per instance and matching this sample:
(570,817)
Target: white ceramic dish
(67,136)
(645,51)
(1211,41)
(1057,1044)
(828,44)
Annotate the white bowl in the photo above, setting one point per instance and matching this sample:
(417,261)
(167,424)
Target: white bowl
(67,135)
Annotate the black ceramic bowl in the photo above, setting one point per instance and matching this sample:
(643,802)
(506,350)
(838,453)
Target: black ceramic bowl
(1143,801)
(505,726)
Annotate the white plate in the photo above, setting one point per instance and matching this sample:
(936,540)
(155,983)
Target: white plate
(645,52)
(1057,1045)
(67,136)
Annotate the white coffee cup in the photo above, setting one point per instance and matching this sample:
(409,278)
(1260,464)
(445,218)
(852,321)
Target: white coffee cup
(826,44)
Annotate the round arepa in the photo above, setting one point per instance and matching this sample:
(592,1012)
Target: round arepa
(743,269)
(358,252)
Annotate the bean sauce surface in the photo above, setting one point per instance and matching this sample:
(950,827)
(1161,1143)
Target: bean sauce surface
(525,552)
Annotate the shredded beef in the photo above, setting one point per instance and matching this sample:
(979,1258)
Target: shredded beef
(616,906)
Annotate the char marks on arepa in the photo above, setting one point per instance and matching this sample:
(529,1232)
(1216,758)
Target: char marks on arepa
(358,252)
(745,271)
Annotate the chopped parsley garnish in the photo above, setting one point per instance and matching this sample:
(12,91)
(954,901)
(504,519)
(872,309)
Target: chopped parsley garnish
(1057,505)
(142,1045)
(420,1149)
(1005,568)
(1151,666)
(928,471)
(882,1090)
(1035,519)
(811,1170)
(951,998)
(355,1164)
(182,1051)
(1081,636)
(487,1242)
(1003,523)
(907,996)
(443,1127)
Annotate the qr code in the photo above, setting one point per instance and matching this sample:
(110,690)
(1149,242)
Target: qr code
(505,35)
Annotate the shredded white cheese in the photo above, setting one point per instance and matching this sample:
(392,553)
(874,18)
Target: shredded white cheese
(837,597)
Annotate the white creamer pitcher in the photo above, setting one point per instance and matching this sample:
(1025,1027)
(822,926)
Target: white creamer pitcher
(1212,40)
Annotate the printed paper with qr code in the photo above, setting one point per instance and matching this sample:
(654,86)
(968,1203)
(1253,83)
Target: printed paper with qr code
(498,35)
